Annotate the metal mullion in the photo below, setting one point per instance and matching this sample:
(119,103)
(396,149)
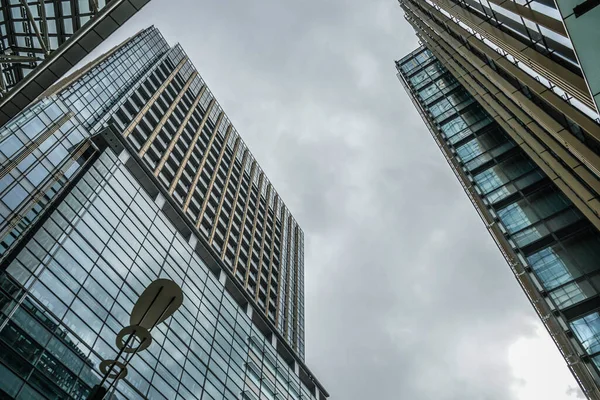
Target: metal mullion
(75,15)
(175,138)
(242,225)
(44,22)
(136,120)
(235,198)
(191,148)
(212,180)
(35,26)
(202,162)
(224,194)
(59,18)
(262,246)
(166,116)
(261,179)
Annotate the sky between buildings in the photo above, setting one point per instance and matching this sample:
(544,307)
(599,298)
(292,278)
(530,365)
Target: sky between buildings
(406,295)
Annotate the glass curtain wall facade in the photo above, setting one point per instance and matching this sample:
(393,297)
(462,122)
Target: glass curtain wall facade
(33,29)
(551,245)
(43,39)
(86,226)
(70,289)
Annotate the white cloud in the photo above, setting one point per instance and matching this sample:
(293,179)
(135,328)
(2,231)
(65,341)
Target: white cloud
(539,370)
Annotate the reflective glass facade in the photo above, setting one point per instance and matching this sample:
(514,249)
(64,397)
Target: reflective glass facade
(71,288)
(536,225)
(39,152)
(86,227)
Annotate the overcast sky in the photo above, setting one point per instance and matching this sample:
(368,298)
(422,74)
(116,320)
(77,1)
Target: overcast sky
(406,295)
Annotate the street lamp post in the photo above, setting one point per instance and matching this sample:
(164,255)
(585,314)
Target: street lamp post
(158,302)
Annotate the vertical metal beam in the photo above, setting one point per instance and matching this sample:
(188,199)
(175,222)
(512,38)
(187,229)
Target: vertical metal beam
(286,302)
(44,22)
(296,287)
(282,267)
(35,26)
(94,6)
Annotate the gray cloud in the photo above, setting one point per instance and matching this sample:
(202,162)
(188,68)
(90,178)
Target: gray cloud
(406,295)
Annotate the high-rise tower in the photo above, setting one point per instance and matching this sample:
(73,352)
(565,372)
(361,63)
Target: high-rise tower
(528,189)
(130,170)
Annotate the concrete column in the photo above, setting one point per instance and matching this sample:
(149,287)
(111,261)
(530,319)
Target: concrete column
(296,368)
(222,277)
(249,310)
(274,340)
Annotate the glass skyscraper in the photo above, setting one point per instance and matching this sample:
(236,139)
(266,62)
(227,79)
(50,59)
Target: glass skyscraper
(42,39)
(127,171)
(525,197)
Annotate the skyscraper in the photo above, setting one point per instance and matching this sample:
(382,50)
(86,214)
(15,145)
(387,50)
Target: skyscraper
(42,40)
(522,184)
(126,171)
